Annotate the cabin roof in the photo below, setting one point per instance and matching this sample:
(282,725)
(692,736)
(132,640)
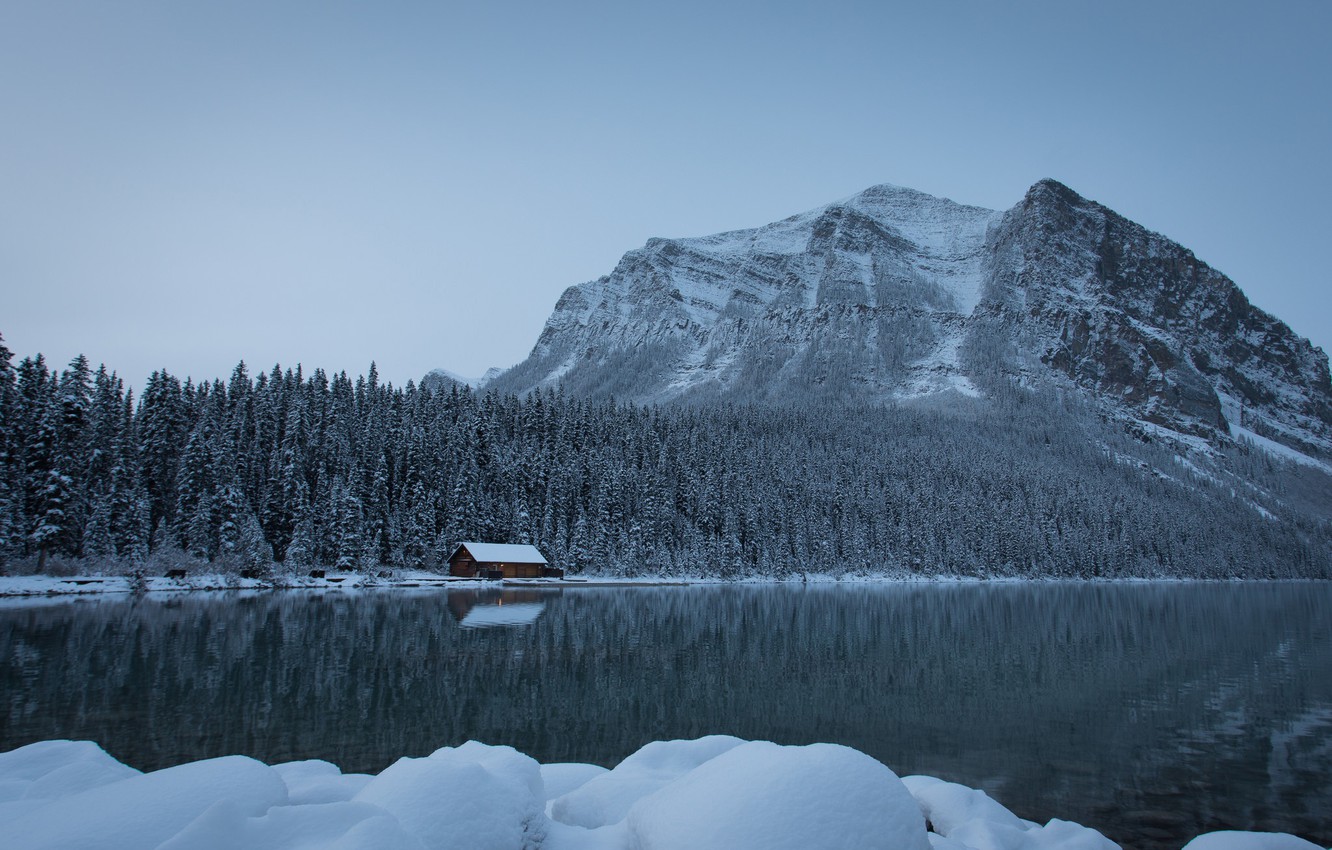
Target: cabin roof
(506,553)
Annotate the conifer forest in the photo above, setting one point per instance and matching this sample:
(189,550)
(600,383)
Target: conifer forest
(282,471)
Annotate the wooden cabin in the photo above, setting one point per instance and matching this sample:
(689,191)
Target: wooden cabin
(499,560)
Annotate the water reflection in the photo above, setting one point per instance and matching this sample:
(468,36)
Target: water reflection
(489,609)
(1152,712)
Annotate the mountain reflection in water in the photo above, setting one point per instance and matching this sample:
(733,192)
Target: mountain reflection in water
(1149,711)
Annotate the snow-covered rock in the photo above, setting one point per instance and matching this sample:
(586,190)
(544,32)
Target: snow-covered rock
(940,842)
(965,817)
(947,805)
(322,826)
(1237,840)
(606,799)
(563,778)
(716,792)
(317,781)
(145,810)
(979,834)
(471,797)
(49,769)
(761,796)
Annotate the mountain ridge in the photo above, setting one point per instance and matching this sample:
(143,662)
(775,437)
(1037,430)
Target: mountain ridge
(893,295)
(1161,331)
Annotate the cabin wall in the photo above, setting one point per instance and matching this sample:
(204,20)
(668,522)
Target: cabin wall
(522,570)
(462,566)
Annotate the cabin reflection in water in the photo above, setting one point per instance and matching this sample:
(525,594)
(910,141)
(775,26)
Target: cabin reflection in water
(488,609)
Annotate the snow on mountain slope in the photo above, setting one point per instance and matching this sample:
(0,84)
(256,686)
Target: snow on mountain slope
(443,378)
(1148,328)
(867,295)
(894,294)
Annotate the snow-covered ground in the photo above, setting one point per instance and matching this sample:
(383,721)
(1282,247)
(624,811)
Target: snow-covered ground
(714,793)
(86,585)
(29,587)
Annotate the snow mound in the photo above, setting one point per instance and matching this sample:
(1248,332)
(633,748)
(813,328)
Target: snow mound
(49,769)
(145,810)
(471,797)
(606,799)
(713,793)
(769,797)
(1235,840)
(323,826)
(968,819)
(947,805)
(316,781)
(560,779)
(1055,835)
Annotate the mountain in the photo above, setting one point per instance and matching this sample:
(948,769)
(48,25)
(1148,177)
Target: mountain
(443,379)
(893,295)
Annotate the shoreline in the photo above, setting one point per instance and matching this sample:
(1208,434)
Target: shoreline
(90,585)
(660,795)
(14,587)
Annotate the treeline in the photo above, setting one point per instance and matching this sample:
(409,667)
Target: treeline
(312,470)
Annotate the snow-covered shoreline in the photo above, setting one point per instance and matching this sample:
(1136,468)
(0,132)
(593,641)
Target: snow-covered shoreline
(714,792)
(92,585)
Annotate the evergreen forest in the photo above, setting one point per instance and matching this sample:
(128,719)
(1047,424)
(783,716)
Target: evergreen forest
(284,471)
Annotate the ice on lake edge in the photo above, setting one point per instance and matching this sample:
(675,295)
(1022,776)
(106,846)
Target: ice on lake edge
(714,792)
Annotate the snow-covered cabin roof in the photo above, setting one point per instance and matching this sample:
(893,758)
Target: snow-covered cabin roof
(502,553)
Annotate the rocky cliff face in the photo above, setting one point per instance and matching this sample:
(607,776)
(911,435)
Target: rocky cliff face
(864,298)
(1149,328)
(894,294)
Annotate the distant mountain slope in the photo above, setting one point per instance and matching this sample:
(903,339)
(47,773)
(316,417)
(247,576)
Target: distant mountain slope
(893,294)
(443,379)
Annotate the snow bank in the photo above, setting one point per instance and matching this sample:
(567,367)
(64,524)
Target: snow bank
(761,796)
(321,826)
(948,806)
(965,817)
(145,810)
(315,781)
(1249,841)
(1055,835)
(473,796)
(560,779)
(707,794)
(606,799)
(51,769)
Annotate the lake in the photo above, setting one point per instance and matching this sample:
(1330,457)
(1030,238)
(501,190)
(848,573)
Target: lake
(1149,711)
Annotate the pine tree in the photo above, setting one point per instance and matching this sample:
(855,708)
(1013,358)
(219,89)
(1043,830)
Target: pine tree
(377,509)
(11,473)
(162,427)
(288,490)
(347,536)
(52,527)
(300,552)
(195,525)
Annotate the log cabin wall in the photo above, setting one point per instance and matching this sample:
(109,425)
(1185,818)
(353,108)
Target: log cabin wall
(462,565)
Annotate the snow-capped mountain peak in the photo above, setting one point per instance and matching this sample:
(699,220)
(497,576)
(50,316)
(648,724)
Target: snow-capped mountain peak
(894,294)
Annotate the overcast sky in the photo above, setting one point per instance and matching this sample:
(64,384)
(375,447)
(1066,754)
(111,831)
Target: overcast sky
(185,185)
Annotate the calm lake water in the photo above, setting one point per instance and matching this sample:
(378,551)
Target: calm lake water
(1149,711)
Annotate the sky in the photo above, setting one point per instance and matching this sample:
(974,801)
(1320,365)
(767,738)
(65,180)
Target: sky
(188,185)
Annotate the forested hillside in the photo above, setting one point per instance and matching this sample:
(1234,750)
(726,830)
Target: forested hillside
(285,471)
